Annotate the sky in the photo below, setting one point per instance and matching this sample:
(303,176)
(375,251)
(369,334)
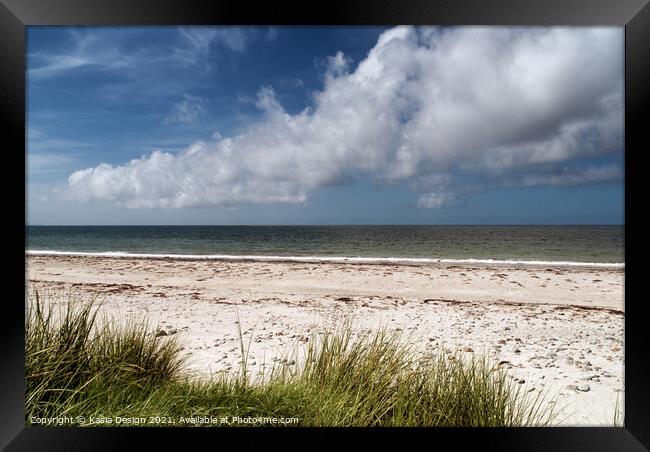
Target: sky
(325,125)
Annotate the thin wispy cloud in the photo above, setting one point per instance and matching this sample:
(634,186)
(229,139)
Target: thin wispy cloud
(39,141)
(272,34)
(202,38)
(188,111)
(103,50)
(47,163)
(426,107)
(87,51)
(41,144)
(575,176)
(292,83)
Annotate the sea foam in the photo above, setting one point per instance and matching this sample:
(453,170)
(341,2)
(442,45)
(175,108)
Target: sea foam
(329,259)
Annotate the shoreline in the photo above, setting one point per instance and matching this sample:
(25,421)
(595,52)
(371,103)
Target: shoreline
(330,259)
(554,329)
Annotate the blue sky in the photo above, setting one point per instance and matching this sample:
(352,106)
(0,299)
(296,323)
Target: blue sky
(324,125)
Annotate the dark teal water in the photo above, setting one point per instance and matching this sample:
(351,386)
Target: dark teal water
(598,244)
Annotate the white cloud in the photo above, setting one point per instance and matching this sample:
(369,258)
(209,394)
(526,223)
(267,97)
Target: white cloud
(338,64)
(423,108)
(436,200)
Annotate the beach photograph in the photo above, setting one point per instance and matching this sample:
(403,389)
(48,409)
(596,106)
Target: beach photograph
(325,226)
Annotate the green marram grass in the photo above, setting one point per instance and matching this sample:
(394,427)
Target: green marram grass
(79,365)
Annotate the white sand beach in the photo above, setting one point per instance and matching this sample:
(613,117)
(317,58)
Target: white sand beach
(558,330)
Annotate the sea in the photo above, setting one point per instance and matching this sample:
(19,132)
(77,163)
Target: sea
(534,245)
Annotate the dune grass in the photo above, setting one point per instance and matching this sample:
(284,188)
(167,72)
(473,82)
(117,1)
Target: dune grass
(78,365)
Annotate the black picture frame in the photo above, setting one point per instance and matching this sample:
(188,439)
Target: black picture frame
(634,15)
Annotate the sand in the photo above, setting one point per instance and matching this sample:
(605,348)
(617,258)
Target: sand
(557,330)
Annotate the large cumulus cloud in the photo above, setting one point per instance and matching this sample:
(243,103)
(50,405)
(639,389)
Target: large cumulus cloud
(428,107)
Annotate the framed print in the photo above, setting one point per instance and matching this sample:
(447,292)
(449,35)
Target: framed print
(390,218)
